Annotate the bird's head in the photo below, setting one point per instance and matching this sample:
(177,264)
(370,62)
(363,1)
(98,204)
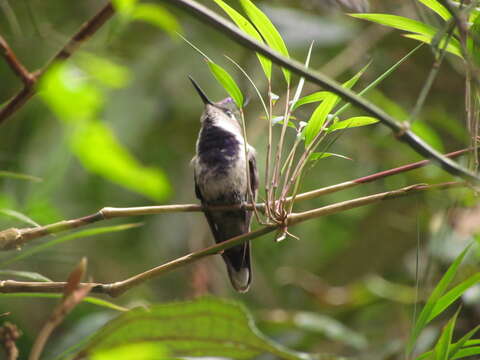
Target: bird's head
(217,112)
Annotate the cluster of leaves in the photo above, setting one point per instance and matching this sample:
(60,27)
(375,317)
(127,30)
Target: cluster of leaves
(429,34)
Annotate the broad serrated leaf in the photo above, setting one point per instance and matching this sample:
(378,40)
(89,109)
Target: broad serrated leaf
(441,10)
(58,240)
(227,82)
(205,327)
(356,121)
(268,31)
(140,351)
(453,46)
(249,29)
(425,315)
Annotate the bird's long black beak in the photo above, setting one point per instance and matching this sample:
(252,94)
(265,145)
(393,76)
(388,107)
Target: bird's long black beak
(200,92)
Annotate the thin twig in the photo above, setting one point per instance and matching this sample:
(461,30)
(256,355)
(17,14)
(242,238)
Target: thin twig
(84,33)
(21,71)
(399,129)
(118,288)
(14,238)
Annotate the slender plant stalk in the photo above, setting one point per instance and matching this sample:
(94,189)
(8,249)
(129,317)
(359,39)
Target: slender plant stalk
(120,287)
(14,238)
(402,133)
(268,192)
(281,142)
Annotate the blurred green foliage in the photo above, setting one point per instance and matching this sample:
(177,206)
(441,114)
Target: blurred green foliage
(116,126)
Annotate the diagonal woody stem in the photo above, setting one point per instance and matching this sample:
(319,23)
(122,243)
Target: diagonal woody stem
(120,287)
(29,79)
(14,238)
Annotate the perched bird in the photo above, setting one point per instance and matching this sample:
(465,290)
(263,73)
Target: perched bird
(220,169)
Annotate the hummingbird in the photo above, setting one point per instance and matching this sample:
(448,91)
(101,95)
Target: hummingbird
(220,173)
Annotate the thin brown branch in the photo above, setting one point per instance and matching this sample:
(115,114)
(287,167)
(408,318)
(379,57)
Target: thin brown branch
(14,238)
(118,288)
(29,79)
(74,292)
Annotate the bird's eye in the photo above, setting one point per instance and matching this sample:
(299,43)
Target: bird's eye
(228,112)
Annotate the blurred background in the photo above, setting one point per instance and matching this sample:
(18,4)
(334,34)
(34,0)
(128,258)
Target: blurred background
(346,287)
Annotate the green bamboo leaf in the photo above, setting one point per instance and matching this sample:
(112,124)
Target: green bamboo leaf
(226,80)
(268,31)
(25,275)
(18,176)
(441,10)
(314,97)
(319,116)
(76,235)
(205,327)
(379,79)
(441,349)
(356,121)
(249,29)
(399,22)
(452,295)
(157,15)
(473,41)
(99,151)
(425,315)
(88,299)
(301,82)
(467,352)
(323,155)
(455,348)
(453,46)
(19,216)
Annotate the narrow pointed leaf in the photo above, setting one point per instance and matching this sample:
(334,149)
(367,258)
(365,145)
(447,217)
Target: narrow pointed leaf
(319,116)
(425,315)
(352,122)
(69,237)
(399,22)
(452,295)
(268,31)
(18,176)
(455,348)
(249,29)
(443,343)
(453,46)
(226,80)
(301,82)
(323,155)
(88,299)
(441,10)
(24,274)
(314,97)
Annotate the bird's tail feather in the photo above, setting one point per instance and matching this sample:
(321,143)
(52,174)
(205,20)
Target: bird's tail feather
(239,269)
